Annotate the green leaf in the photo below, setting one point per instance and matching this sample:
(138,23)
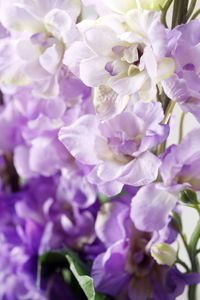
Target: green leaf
(188,196)
(85,281)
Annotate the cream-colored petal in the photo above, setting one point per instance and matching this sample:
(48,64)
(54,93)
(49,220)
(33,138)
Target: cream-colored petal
(165,69)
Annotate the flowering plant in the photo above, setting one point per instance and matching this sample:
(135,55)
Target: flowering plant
(91,189)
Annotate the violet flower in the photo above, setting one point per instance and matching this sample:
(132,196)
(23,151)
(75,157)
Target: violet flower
(179,169)
(119,148)
(126,269)
(39,34)
(183,85)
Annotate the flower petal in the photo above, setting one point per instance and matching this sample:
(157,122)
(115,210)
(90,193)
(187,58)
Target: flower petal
(151,207)
(92,71)
(51,58)
(79,139)
(142,170)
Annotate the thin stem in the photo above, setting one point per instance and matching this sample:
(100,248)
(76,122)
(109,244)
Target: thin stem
(198,251)
(185,243)
(192,247)
(195,14)
(169,112)
(191,8)
(164,12)
(181,127)
(194,261)
(182,263)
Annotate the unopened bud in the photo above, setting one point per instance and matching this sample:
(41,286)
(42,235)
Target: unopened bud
(163,254)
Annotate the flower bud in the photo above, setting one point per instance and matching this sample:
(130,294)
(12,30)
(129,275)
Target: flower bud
(164,254)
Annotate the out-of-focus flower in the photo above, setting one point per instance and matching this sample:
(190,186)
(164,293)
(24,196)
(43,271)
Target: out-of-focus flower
(45,215)
(39,34)
(30,126)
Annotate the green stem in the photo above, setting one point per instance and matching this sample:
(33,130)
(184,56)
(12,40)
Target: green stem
(181,127)
(182,263)
(185,243)
(164,12)
(195,14)
(191,8)
(194,261)
(179,12)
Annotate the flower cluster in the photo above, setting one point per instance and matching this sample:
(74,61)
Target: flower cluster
(90,190)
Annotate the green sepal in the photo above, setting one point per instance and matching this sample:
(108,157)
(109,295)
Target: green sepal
(188,196)
(176,222)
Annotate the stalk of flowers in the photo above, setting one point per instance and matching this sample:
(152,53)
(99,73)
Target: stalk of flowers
(84,116)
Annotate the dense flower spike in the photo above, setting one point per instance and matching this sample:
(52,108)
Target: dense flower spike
(91,190)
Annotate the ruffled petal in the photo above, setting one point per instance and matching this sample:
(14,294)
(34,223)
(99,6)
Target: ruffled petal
(151,207)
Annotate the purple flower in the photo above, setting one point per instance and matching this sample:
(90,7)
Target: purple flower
(34,50)
(125,53)
(118,149)
(151,207)
(183,85)
(45,215)
(179,169)
(30,126)
(126,269)
(14,281)
(180,163)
